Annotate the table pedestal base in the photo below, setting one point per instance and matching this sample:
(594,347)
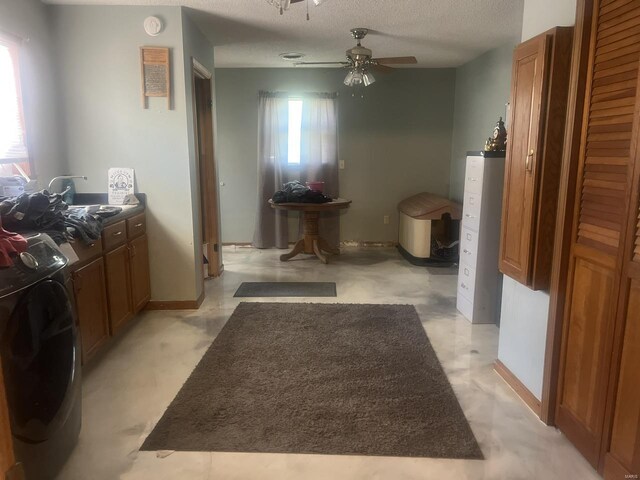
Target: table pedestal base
(311,243)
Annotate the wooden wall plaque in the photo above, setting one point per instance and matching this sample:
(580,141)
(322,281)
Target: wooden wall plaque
(156,74)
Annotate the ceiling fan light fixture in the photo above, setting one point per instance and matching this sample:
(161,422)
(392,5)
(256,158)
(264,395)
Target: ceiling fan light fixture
(357,76)
(348,79)
(368,78)
(281,5)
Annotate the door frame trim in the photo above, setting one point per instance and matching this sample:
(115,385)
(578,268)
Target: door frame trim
(210,192)
(200,70)
(566,208)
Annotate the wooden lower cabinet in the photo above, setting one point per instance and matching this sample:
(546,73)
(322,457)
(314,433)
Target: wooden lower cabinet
(139,267)
(111,282)
(91,306)
(8,467)
(118,287)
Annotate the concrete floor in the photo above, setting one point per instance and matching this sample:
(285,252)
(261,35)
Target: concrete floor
(128,387)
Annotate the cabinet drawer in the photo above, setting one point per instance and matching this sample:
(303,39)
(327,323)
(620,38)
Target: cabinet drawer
(464,306)
(473,175)
(471,210)
(469,247)
(136,226)
(86,252)
(114,235)
(466,281)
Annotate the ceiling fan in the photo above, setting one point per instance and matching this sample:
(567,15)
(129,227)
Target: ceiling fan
(283,5)
(360,62)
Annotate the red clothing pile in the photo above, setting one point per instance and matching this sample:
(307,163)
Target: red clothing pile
(11,244)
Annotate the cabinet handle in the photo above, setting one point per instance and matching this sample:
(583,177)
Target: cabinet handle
(466,251)
(132,251)
(529,162)
(138,225)
(469,216)
(464,286)
(116,234)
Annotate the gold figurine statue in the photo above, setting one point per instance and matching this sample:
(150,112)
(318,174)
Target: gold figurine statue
(498,141)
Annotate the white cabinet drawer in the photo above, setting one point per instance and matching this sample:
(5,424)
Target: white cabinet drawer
(466,281)
(469,247)
(464,306)
(471,210)
(473,174)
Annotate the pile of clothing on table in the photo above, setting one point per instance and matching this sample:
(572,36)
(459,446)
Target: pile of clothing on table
(296,192)
(48,213)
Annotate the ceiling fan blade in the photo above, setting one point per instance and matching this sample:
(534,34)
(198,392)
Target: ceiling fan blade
(382,69)
(396,60)
(338,64)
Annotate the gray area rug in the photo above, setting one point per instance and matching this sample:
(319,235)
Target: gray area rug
(318,378)
(286,289)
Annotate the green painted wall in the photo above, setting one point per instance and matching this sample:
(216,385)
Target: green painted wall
(98,58)
(482,90)
(396,141)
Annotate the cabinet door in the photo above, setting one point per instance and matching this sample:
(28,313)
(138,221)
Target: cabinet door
(518,206)
(91,307)
(7,457)
(118,287)
(140,287)
(623,457)
(624,451)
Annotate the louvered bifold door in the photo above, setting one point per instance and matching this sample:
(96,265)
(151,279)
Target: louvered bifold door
(623,457)
(603,204)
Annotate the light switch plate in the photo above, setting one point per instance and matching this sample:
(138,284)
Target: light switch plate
(341,164)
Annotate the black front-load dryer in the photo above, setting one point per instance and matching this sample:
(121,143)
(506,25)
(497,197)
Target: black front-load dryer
(40,358)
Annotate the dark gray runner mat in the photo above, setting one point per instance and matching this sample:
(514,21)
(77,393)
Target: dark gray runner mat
(318,378)
(286,289)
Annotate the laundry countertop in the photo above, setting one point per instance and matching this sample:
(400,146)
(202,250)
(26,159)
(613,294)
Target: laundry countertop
(127,211)
(101,199)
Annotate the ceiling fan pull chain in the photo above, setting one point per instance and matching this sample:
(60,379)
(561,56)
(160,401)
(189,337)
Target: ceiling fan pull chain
(307,10)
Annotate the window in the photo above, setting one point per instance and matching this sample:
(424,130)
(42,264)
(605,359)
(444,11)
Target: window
(295,127)
(13,144)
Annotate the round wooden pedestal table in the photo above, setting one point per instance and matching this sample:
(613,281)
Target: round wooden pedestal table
(311,242)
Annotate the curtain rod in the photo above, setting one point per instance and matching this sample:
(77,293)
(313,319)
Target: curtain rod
(263,93)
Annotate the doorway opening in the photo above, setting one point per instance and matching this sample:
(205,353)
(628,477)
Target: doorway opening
(204,140)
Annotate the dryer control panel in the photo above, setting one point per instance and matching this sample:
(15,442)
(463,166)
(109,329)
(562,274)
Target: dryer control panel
(41,260)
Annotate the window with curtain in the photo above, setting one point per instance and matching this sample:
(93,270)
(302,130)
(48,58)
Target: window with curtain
(297,140)
(14,154)
(294,131)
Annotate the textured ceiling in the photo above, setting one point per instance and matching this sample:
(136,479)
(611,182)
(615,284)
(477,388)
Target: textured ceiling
(439,33)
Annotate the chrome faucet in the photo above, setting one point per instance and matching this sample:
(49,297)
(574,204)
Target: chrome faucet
(64,177)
